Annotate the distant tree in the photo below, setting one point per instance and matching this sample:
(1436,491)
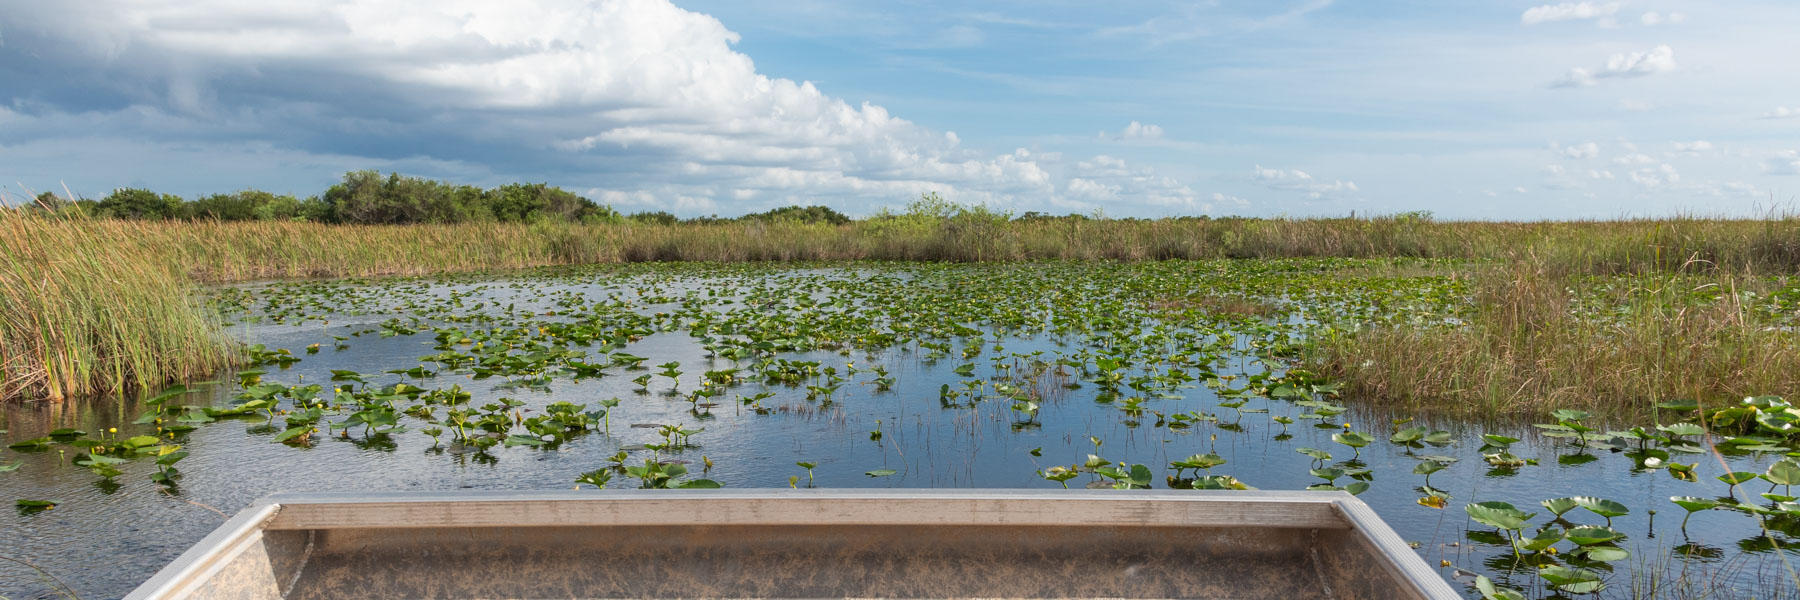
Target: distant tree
(803,214)
(138,203)
(527,202)
(50,202)
(368,198)
(655,218)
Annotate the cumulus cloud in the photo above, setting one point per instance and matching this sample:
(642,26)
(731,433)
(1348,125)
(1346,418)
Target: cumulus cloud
(1103,180)
(1785,162)
(640,102)
(1783,112)
(1656,177)
(1300,181)
(1660,59)
(1654,18)
(1134,131)
(1568,11)
(1582,150)
(1137,130)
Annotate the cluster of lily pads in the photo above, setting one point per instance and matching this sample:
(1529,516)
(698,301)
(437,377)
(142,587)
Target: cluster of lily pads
(1137,339)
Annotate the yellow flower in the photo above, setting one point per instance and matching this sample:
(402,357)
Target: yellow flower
(112,430)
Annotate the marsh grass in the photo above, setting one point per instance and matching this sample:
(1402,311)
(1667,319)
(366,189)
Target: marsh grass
(1542,337)
(92,305)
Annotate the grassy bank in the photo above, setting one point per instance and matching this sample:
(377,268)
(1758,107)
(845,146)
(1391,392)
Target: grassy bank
(88,306)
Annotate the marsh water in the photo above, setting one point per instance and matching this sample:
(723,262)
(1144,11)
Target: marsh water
(944,376)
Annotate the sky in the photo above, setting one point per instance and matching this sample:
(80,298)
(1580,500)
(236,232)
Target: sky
(1472,109)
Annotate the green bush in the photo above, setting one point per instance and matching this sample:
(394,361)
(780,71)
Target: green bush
(138,203)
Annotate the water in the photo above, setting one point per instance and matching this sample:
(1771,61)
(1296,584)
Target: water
(108,535)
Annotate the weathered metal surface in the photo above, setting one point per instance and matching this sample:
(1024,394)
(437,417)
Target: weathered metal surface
(803,543)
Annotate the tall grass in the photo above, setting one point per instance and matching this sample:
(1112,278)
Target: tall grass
(217,252)
(1541,338)
(89,306)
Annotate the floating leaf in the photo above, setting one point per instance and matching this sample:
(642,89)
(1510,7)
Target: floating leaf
(1601,506)
(1558,506)
(1540,540)
(1604,553)
(881,472)
(1411,434)
(291,433)
(1574,581)
(32,444)
(1427,467)
(1737,477)
(1498,441)
(1590,535)
(1489,591)
(1499,515)
(1783,472)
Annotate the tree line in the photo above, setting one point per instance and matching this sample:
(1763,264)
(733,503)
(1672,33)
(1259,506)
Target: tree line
(370,198)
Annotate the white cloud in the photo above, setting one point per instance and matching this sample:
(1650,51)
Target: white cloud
(1599,174)
(1300,181)
(1732,188)
(1660,59)
(1656,177)
(1783,112)
(1785,162)
(1140,131)
(1634,158)
(1105,179)
(641,94)
(1694,147)
(1568,11)
(1582,150)
(1635,105)
(1135,131)
(1654,18)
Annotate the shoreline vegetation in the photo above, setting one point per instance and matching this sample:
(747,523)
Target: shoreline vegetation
(1609,315)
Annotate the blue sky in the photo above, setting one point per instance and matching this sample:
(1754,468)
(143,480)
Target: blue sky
(1482,110)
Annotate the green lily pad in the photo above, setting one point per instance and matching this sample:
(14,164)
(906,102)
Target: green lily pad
(1499,515)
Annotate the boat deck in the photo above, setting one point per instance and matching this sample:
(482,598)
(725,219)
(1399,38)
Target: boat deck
(1237,545)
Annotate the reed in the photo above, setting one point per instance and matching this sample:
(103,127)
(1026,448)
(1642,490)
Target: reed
(1541,338)
(88,307)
